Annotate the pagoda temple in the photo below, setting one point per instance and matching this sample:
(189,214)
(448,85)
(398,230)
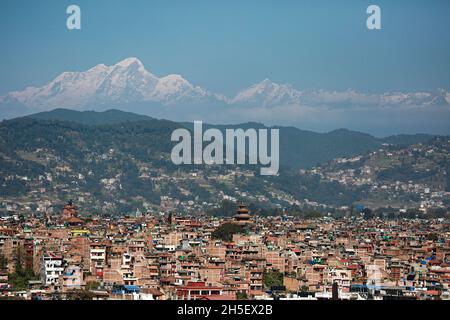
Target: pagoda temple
(242,217)
(70,215)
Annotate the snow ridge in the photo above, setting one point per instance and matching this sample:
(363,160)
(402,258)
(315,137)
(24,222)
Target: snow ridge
(128,82)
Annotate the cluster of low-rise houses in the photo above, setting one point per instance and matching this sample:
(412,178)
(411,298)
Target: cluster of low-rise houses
(176,257)
(48,187)
(364,171)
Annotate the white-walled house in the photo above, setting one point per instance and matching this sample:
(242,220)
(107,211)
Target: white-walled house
(52,268)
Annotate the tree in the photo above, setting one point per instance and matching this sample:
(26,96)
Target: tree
(92,285)
(225,232)
(3,263)
(19,279)
(304,288)
(79,295)
(241,296)
(273,278)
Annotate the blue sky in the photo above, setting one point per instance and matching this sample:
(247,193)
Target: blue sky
(228,45)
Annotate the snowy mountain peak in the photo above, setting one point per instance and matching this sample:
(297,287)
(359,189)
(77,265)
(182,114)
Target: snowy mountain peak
(267,93)
(175,78)
(267,82)
(129,61)
(100,67)
(124,82)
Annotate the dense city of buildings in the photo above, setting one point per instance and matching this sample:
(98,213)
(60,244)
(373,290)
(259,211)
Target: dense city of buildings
(66,255)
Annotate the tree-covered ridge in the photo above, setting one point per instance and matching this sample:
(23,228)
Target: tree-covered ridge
(111,116)
(298,148)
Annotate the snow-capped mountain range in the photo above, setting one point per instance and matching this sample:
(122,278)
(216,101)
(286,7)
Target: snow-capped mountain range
(125,82)
(267,94)
(128,82)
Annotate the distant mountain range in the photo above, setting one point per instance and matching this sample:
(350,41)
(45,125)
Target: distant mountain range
(298,148)
(129,86)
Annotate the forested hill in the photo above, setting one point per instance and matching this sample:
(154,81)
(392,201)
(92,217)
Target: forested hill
(298,148)
(111,116)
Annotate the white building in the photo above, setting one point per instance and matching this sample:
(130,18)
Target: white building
(52,268)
